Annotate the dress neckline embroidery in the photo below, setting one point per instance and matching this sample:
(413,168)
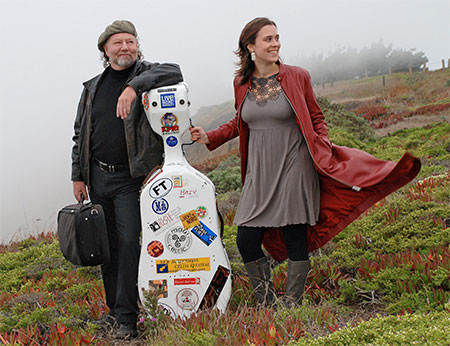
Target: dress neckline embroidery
(264,89)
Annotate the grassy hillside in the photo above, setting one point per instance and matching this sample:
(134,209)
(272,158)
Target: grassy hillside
(384,280)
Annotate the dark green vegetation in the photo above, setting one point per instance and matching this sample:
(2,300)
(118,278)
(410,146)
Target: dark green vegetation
(384,280)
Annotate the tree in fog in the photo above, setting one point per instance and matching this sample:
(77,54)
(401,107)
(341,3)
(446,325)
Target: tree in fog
(349,63)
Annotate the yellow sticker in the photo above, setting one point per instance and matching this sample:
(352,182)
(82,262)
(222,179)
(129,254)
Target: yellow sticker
(190,264)
(189,219)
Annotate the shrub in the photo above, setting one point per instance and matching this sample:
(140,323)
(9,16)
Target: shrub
(411,329)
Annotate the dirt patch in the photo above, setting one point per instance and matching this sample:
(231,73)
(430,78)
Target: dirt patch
(412,122)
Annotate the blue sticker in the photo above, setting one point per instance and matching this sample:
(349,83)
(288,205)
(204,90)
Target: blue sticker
(162,267)
(172,141)
(160,206)
(168,100)
(204,233)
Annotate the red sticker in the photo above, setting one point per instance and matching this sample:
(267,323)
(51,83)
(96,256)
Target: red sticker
(186,281)
(155,248)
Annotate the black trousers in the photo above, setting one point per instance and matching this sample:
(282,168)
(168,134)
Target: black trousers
(249,241)
(118,193)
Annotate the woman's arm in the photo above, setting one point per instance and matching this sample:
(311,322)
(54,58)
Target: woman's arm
(317,117)
(223,133)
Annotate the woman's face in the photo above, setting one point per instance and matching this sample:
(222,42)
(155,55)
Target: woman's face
(267,45)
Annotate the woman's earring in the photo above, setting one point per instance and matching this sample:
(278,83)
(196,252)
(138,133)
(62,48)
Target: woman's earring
(253,56)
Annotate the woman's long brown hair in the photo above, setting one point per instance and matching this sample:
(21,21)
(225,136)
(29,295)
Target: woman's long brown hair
(248,36)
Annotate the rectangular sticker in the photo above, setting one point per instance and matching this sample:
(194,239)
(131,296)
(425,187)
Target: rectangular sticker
(162,222)
(168,100)
(189,264)
(186,281)
(189,219)
(215,288)
(204,233)
(177,181)
(158,287)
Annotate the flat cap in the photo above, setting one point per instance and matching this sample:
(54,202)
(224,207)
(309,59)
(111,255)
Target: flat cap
(118,26)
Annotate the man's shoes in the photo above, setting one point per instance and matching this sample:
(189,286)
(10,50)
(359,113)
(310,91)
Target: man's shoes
(125,332)
(108,322)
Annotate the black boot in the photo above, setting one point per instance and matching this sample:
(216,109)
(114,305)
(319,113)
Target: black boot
(259,275)
(295,283)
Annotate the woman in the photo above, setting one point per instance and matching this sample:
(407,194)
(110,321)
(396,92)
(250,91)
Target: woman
(299,190)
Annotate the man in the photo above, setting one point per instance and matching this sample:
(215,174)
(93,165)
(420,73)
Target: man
(114,150)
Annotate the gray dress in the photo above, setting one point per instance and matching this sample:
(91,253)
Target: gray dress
(281,185)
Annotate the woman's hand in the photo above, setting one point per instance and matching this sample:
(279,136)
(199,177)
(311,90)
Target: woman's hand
(199,135)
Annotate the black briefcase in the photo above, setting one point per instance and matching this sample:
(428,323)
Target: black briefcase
(82,234)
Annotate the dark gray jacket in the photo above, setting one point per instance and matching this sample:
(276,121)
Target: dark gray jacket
(144,146)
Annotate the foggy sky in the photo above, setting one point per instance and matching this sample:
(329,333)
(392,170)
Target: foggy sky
(50,47)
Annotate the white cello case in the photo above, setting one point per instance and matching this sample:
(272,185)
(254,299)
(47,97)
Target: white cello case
(182,254)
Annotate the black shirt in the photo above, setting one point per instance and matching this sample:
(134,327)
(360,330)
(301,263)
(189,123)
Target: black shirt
(108,134)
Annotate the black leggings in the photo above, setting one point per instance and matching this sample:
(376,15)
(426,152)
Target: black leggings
(249,241)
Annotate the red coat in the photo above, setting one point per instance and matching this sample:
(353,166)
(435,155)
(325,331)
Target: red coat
(351,180)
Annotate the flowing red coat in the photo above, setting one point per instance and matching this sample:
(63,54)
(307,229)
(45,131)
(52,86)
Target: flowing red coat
(351,180)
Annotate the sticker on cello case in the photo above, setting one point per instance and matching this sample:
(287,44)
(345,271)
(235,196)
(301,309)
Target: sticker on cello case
(160,188)
(177,181)
(162,222)
(186,281)
(169,124)
(167,310)
(187,299)
(189,264)
(215,288)
(201,211)
(160,206)
(204,233)
(146,102)
(178,240)
(189,219)
(172,141)
(158,287)
(155,248)
(168,100)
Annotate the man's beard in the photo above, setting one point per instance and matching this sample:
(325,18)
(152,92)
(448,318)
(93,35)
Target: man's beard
(124,61)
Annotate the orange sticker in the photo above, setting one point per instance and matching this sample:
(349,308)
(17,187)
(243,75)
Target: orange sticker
(189,219)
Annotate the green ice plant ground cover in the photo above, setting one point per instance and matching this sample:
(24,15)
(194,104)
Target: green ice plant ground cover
(390,267)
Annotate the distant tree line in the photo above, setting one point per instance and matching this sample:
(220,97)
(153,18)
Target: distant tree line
(349,63)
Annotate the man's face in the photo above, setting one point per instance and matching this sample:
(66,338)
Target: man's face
(122,50)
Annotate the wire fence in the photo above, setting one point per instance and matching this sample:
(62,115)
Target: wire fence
(437,65)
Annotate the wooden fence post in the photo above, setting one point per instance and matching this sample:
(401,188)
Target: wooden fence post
(443,63)
(424,66)
(384,81)
(410,68)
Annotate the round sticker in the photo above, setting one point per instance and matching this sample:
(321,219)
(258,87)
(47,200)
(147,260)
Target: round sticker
(187,299)
(155,248)
(169,120)
(201,211)
(160,188)
(178,240)
(160,206)
(172,141)
(168,310)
